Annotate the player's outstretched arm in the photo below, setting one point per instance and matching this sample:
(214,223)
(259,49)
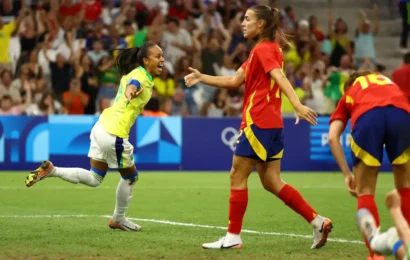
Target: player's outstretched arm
(217,81)
(335,131)
(301,111)
(393,203)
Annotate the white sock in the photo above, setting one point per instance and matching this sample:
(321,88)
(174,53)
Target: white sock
(76,175)
(383,243)
(232,237)
(316,222)
(124,196)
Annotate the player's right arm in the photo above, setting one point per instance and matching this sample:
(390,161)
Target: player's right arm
(230,82)
(337,126)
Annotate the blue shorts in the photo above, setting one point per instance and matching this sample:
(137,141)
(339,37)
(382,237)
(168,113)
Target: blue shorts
(260,144)
(381,127)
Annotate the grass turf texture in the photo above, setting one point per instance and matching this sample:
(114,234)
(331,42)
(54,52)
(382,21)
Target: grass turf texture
(198,198)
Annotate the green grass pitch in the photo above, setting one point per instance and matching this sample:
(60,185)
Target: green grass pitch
(171,207)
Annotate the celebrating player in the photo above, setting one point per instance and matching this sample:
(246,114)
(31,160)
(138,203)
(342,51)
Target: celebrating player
(380,116)
(396,240)
(260,142)
(110,147)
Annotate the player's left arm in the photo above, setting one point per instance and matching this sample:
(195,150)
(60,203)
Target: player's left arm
(133,89)
(303,111)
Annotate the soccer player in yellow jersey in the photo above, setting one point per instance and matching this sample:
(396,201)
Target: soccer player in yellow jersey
(110,147)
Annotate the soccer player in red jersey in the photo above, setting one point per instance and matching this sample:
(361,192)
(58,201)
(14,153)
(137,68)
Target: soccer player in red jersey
(261,141)
(380,116)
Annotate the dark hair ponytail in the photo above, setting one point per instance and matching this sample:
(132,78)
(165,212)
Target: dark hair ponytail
(128,59)
(272,23)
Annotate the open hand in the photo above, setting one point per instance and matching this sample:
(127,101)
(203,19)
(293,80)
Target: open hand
(306,113)
(193,78)
(132,92)
(350,183)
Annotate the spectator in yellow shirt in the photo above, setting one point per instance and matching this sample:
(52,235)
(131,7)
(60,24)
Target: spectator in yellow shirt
(6,31)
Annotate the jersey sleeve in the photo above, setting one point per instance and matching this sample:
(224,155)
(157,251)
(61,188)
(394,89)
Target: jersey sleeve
(134,78)
(341,112)
(243,66)
(270,58)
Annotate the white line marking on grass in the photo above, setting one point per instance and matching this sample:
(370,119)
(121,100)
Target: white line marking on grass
(167,222)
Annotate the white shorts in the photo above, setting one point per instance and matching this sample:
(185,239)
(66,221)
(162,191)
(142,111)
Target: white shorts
(117,152)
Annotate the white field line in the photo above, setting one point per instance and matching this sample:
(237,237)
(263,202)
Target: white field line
(81,187)
(167,222)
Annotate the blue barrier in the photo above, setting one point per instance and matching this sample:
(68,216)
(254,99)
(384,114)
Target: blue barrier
(171,143)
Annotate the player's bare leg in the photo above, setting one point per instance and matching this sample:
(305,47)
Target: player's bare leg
(269,174)
(129,176)
(402,183)
(241,169)
(394,241)
(366,179)
(92,177)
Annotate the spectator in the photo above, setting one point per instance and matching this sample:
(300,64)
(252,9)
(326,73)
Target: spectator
(152,108)
(211,15)
(218,107)
(364,44)
(46,54)
(315,30)
(6,87)
(108,78)
(46,106)
(75,100)
(6,30)
(289,20)
(60,75)
(340,42)
(103,104)
(165,83)
(98,52)
(9,10)
(85,72)
(404,8)
(9,106)
(176,41)
(179,106)
(401,76)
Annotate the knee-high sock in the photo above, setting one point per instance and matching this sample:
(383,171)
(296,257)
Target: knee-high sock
(91,178)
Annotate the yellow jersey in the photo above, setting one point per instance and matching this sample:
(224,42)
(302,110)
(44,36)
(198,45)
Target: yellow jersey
(120,117)
(5,35)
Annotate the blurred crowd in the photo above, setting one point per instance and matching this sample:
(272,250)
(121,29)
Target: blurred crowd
(58,57)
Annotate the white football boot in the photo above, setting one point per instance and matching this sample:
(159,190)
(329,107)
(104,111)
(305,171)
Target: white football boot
(230,241)
(321,231)
(124,225)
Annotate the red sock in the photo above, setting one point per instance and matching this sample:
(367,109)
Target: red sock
(294,200)
(405,203)
(238,201)
(367,202)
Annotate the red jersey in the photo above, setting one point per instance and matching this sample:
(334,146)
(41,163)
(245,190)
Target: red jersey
(262,98)
(367,92)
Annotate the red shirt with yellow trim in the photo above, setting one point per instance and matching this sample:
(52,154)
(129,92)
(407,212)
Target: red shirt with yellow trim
(367,92)
(262,97)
